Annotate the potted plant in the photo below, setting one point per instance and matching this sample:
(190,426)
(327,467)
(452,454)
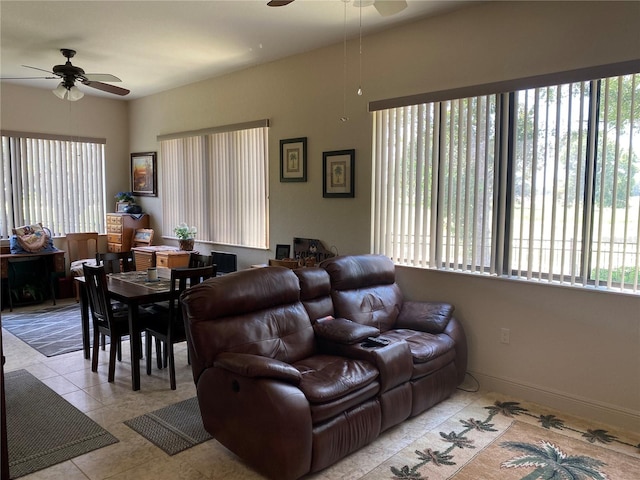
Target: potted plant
(186,236)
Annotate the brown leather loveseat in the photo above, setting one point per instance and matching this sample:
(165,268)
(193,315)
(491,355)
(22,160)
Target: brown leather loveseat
(283,376)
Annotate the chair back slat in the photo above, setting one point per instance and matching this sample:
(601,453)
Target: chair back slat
(179,278)
(98,294)
(116,262)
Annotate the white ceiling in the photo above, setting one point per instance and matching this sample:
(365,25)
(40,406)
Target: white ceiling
(157,45)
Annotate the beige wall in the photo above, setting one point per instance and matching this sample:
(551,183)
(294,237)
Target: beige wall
(569,348)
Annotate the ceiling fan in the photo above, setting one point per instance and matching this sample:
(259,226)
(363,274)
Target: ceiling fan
(384,7)
(69,74)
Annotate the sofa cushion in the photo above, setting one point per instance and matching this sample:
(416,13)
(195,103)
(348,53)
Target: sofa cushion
(431,317)
(324,411)
(376,306)
(255,311)
(315,291)
(425,347)
(327,377)
(359,271)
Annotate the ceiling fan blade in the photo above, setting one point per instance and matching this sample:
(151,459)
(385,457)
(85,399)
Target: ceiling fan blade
(36,68)
(105,87)
(101,77)
(29,78)
(387,8)
(279,3)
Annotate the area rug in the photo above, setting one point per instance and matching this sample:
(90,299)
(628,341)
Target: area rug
(513,440)
(52,331)
(43,429)
(174,428)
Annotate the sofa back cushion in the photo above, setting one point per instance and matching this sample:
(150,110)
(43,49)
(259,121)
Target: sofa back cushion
(315,292)
(256,311)
(364,290)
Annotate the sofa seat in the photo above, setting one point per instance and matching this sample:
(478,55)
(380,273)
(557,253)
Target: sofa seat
(429,352)
(328,397)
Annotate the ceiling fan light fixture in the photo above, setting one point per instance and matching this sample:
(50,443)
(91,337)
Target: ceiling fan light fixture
(74,94)
(71,93)
(60,91)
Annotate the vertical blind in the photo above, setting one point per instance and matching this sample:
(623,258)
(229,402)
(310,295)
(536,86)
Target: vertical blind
(56,182)
(541,183)
(217,182)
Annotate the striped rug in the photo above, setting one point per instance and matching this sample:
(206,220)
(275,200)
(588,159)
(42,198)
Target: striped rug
(53,330)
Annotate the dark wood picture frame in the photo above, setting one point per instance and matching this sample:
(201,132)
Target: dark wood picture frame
(293,160)
(283,251)
(144,174)
(338,174)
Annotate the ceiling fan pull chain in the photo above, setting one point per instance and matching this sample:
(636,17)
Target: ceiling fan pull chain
(344,117)
(360,55)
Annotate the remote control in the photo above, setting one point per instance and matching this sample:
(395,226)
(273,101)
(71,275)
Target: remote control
(372,342)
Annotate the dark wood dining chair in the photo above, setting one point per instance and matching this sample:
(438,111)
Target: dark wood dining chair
(198,260)
(167,327)
(106,320)
(116,262)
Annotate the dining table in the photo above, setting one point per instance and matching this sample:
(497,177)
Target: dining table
(132,289)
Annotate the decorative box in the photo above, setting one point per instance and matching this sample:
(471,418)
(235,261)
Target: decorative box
(172,259)
(146,256)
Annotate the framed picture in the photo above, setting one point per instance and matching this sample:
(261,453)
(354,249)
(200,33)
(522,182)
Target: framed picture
(121,207)
(144,175)
(338,174)
(293,160)
(283,251)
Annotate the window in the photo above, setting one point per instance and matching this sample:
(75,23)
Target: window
(58,182)
(541,183)
(216,180)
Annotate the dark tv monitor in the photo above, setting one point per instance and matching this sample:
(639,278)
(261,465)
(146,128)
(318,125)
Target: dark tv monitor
(225,262)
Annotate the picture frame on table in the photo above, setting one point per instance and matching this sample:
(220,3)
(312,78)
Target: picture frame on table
(121,207)
(293,160)
(144,174)
(283,251)
(338,179)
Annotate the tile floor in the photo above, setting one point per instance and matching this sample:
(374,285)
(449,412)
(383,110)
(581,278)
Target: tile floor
(133,457)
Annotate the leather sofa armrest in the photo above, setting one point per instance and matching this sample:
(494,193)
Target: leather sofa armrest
(429,317)
(394,361)
(343,331)
(254,366)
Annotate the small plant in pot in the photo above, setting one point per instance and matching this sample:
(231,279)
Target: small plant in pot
(125,197)
(186,236)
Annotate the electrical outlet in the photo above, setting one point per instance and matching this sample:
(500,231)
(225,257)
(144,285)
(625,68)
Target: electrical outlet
(504,335)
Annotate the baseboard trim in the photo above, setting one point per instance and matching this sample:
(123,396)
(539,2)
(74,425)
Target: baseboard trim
(575,405)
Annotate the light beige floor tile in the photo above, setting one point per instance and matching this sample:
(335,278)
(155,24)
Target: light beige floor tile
(131,451)
(59,384)
(82,401)
(163,468)
(66,470)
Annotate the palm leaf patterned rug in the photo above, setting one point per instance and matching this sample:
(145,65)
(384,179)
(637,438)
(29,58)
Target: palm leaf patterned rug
(495,438)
